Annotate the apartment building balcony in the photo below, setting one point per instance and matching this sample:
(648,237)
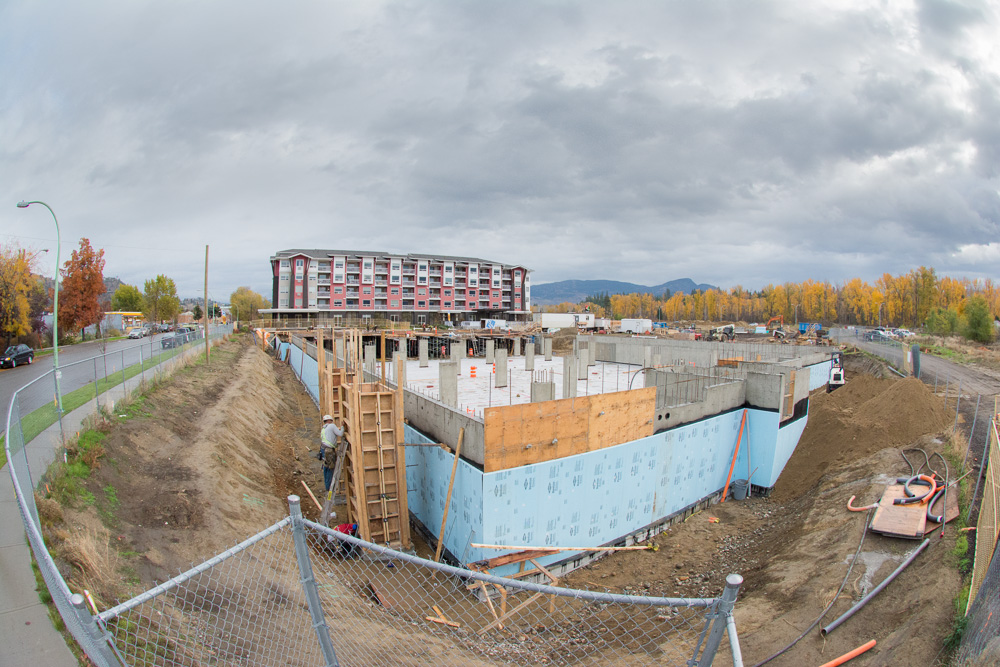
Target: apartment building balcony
(353,281)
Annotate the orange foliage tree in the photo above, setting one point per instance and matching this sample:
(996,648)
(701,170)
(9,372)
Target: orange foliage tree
(82,287)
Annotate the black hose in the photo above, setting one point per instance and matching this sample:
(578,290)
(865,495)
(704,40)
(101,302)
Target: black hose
(933,517)
(913,497)
(864,533)
(927,461)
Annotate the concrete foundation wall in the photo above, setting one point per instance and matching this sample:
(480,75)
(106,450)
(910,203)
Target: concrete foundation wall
(443,423)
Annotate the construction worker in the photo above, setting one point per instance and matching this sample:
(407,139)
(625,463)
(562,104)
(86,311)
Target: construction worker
(329,438)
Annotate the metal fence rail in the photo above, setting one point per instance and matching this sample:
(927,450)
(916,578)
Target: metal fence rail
(300,593)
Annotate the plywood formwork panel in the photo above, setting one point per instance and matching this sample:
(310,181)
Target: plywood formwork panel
(520,435)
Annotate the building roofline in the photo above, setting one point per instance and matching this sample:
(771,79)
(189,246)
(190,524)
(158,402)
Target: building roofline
(320,253)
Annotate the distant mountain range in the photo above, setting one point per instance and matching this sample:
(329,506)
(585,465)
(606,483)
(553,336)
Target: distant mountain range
(574,291)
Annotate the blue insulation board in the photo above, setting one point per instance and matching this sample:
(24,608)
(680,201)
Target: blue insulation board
(597,497)
(306,369)
(819,374)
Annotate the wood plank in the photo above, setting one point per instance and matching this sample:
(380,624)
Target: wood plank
(905,521)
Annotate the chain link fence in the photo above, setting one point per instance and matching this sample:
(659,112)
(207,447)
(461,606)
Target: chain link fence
(983,611)
(93,384)
(299,593)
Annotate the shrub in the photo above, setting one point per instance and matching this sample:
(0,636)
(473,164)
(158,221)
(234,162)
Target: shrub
(978,320)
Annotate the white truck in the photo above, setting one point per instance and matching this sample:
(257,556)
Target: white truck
(637,326)
(553,321)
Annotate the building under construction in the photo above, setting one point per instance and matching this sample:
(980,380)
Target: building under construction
(603,444)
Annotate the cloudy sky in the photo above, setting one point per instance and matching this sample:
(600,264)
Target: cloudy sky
(729,142)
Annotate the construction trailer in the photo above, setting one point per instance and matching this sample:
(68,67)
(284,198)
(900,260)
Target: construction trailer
(562,461)
(636,326)
(555,321)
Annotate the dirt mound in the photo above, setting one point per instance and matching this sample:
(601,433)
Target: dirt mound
(868,414)
(562,341)
(207,457)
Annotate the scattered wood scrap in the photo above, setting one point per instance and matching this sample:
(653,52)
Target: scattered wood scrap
(383,598)
(441,618)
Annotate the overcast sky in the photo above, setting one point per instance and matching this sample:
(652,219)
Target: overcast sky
(729,142)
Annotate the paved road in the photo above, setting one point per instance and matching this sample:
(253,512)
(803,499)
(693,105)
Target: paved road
(78,367)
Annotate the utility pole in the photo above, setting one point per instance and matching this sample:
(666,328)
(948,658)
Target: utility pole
(206,306)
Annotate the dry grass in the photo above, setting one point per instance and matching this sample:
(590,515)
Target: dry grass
(95,561)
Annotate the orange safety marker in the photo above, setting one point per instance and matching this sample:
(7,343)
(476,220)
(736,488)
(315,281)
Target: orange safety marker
(472,372)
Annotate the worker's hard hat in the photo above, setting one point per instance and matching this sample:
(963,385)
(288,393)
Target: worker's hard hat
(327,418)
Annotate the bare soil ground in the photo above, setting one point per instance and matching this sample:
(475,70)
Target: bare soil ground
(212,454)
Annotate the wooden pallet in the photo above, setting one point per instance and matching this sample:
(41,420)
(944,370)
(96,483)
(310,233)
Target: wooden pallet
(906,521)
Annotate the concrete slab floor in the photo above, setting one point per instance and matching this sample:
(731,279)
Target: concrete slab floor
(477,393)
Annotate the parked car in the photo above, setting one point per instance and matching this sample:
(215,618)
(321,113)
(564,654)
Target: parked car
(17,354)
(136,333)
(877,336)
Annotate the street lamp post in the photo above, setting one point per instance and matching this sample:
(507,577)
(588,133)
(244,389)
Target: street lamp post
(55,313)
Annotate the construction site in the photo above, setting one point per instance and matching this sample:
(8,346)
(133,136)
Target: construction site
(495,443)
(616,504)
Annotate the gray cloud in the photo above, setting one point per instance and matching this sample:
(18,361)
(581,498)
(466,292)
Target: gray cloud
(733,143)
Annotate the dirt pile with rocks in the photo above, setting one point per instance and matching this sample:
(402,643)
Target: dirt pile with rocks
(864,416)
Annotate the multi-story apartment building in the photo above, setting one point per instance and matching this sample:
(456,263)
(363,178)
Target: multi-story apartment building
(352,284)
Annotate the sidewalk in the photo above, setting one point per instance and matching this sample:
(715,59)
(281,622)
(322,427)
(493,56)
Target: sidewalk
(28,636)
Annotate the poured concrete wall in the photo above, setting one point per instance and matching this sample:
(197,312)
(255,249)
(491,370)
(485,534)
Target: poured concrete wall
(443,423)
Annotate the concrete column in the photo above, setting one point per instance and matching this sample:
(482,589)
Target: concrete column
(547,348)
(647,357)
(516,349)
(592,348)
(569,376)
(397,355)
(529,357)
(422,351)
(582,369)
(371,358)
(403,345)
(501,362)
(448,382)
(338,346)
(542,391)
(456,351)
(657,360)
(490,356)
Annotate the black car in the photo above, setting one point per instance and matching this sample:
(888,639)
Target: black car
(17,354)
(877,337)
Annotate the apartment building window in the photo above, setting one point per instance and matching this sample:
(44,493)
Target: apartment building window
(367,290)
(447,304)
(395,303)
(284,264)
(299,263)
(421,319)
(422,280)
(395,290)
(447,269)
(339,264)
(422,291)
(447,292)
(284,279)
(338,290)
(366,303)
(472,292)
(368,266)
(421,304)
(338,303)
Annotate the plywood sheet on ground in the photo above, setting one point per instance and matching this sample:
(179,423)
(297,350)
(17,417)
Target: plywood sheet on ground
(907,521)
(520,435)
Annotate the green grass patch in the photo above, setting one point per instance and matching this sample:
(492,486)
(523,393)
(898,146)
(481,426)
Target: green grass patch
(35,422)
(946,353)
(960,621)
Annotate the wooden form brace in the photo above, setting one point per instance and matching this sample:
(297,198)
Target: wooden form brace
(530,433)
(375,468)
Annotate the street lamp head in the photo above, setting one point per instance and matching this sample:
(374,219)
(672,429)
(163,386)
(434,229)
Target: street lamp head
(22,204)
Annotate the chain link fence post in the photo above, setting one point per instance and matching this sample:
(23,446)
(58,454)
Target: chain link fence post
(309,583)
(105,656)
(719,618)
